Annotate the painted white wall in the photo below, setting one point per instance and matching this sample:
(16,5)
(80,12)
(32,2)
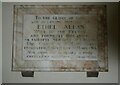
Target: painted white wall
(60,0)
(0,42)
(59,77)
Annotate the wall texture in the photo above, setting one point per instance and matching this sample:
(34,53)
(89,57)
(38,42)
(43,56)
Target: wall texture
(0,42)
(58,77)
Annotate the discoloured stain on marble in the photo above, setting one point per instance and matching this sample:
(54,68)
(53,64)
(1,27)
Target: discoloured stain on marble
(96,18)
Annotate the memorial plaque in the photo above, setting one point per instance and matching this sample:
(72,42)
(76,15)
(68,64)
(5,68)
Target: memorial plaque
(60,38)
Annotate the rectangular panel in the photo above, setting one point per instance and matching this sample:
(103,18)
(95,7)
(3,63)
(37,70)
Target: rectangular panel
(60,38)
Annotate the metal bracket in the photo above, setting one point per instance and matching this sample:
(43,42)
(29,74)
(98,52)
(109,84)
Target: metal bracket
(27,73)
(92,74)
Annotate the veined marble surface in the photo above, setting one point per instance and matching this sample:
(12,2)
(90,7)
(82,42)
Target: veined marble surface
(60,38)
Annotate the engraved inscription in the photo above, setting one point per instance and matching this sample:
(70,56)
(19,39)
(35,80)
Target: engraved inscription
(59,37)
